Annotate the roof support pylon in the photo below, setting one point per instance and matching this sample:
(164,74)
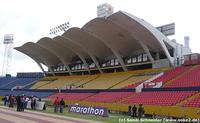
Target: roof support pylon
(117,55)
(146,49)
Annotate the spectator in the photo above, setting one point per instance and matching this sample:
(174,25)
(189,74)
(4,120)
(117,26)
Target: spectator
(62,105)
(134,111)
(140,111)
(39,99)
(26,101)
(56,104)
(32,102)
(18,99)
(6,100)
(129,110)
(23,101)
(11,101)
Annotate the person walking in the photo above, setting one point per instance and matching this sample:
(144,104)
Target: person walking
(62,105)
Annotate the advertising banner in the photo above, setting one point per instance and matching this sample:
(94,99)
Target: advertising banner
(89,110)
(39,105)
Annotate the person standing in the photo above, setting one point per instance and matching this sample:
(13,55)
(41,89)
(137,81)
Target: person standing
(11,101)
(23,102)
(62,105)
(18,99)
(6,100)
(34,102)
(129,110)
(56,104)
(140,111)
(134,111)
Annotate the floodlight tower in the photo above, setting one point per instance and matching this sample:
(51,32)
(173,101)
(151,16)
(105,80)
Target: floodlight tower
(61,28)
(8,41)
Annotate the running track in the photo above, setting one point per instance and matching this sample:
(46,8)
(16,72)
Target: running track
(8,115)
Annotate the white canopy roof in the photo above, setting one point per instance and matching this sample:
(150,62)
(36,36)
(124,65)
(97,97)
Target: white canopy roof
(118,35)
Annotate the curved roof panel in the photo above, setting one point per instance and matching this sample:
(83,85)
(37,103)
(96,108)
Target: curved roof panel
(88,42)
(30,54)
(146,33)
(41,53)
(112,35)
(70,45)
(120,35)
(63,53)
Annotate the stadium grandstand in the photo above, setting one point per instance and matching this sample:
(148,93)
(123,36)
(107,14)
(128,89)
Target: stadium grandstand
(113,62)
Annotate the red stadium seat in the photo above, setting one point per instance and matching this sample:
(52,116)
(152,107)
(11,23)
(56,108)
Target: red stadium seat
(158,98)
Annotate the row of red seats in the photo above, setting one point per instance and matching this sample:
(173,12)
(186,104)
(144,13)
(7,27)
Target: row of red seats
(191,79)
(158,98)
(70,96)
(171,74)
(167,98)
(193,103)
(108,97)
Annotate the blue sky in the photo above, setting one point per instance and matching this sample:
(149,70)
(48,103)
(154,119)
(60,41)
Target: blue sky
(30,20)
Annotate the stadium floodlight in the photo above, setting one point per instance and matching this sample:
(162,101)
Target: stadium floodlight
(63,27)
(8,41)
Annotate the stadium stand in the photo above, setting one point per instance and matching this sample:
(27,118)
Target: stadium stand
(194,102)
(132,82)
(84,81)
(61,82)
(30,75)
(43,82)
(9,83)
(67,82)
(27,93)
(71,96)
(167,98)
(108,97)
(5,80)
(121,79)
(19,82)
(191,79)
(39,83)
(105,81)
(168,75)
(104,47)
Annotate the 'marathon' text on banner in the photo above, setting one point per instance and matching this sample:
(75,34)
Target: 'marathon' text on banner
(90,110)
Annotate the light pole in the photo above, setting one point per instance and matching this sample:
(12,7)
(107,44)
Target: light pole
(60,28)
(8,41)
